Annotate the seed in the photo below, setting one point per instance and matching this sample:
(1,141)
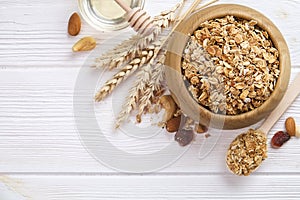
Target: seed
(138,119)
(85,44)
(74,25)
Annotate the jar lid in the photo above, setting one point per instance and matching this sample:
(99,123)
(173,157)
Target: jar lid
(106,15)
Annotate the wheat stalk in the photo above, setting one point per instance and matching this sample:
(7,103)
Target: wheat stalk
(166,18)
(128,49)
(118,55)
(143,93)
(153,87)
(132,99)
(144,57)
(150,60)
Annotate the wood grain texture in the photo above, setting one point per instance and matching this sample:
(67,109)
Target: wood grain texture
(155,187)
(34,33)
(289,97)
(41,155)
(39,134)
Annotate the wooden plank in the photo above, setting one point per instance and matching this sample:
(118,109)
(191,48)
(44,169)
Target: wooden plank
(35,34)
(38,132)
(40,148)
(285,186)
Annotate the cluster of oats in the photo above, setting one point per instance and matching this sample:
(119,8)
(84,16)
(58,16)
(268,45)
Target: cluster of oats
(231,65)
(247,152)
(204,82)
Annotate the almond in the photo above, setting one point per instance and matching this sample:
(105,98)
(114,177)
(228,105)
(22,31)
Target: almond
(85,44)
(173,124)
(74,25)
(290,126)
(167,102)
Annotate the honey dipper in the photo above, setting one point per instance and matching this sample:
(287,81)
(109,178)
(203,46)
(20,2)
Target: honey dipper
(138,19)
(236,162)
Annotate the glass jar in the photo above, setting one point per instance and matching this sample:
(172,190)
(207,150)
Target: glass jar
(106,15)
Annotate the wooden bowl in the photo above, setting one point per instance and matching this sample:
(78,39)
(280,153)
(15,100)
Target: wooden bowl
(179,90)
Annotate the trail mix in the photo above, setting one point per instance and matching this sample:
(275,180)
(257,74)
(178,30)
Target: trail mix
(231,65)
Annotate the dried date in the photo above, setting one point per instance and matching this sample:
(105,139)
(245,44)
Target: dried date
(279,139)
(184,137)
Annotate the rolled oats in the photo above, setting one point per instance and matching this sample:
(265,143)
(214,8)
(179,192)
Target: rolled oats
(231,65)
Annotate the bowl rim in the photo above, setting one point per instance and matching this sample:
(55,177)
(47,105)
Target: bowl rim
(253,116)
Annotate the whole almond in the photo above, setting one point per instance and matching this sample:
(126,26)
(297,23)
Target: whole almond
(85,44)
(290,126)
(74,25)
(167,102)
(173,124)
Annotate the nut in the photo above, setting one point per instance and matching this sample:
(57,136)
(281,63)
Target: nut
(173,124)
(138,119)
(85,44)
(291,127)
(167,102)
(74,25)
(199,128)
(279,139)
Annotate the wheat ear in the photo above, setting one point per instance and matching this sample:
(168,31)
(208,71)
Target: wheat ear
(144,92)
(144,57)
(118,55)
(131,102)
(147,94)
(166,18)
(154,87)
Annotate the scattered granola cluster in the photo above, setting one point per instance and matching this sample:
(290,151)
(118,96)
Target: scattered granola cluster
(247,152)
(231,65)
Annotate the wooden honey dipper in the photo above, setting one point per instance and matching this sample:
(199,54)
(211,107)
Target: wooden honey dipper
(138,19)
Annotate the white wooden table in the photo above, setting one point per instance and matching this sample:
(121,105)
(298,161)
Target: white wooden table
(41,155)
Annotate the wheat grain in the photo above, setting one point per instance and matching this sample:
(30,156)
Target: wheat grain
(146,90)
(144,57)
(118,55)
(166,18)
(131,103)
(153,88)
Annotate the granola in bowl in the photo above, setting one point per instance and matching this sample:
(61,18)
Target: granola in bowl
(231,65)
